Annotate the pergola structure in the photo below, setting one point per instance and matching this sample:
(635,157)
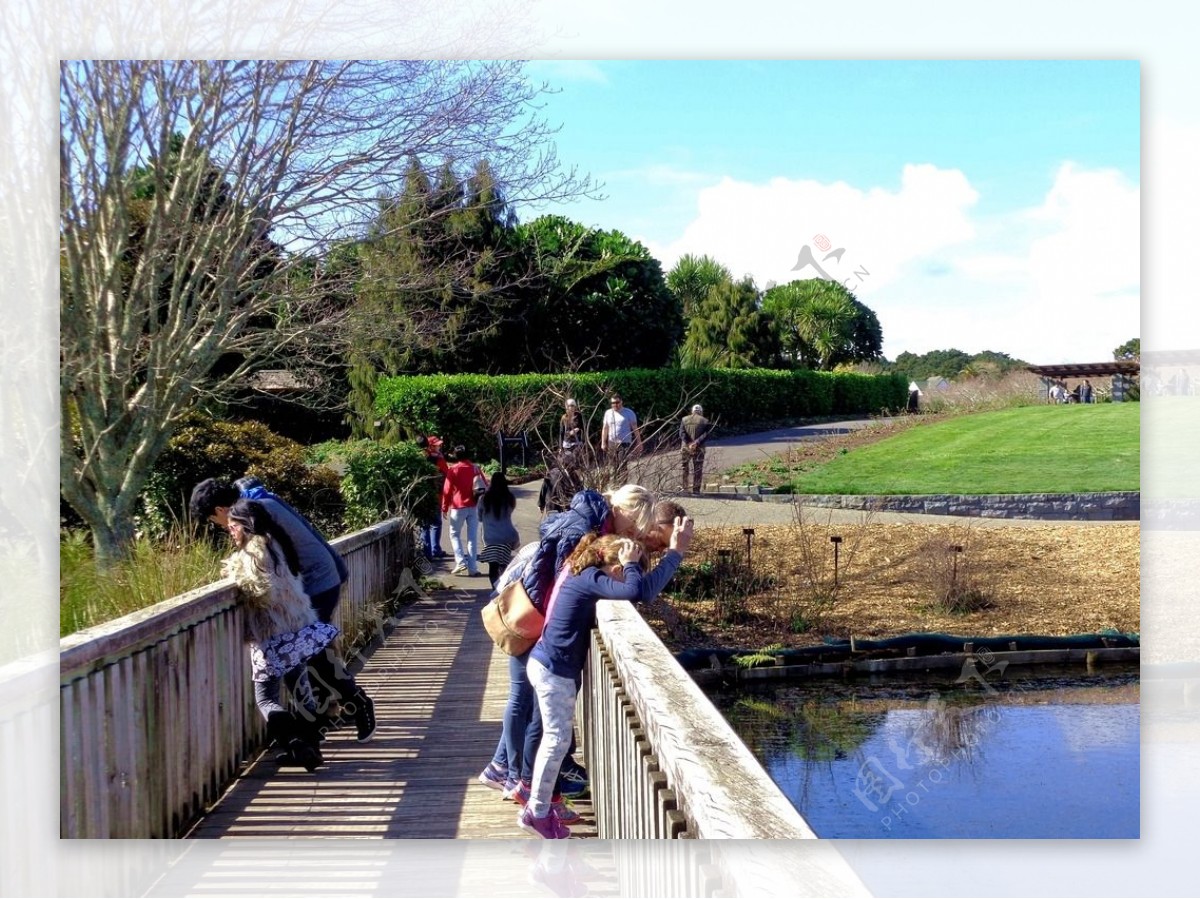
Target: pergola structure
(1122,372)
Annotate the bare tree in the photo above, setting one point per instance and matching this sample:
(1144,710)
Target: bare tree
(195,196)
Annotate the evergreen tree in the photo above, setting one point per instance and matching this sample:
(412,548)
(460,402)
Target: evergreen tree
(601,300)
(440,288)
(692,277)
(1130,349)
(730,330)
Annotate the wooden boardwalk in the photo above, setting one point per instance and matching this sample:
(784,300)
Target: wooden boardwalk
(439,687)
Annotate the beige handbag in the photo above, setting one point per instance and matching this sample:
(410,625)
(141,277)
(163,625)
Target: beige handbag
(512,621)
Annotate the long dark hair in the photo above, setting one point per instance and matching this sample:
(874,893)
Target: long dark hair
(498,497)
(257,522)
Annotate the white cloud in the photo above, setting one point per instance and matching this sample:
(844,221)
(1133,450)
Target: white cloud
(1055,282)
(1093,247)
(759,229)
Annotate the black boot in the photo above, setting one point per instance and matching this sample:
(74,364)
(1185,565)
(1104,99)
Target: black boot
(280,729)
(308,729)
(288,733)
(364,714)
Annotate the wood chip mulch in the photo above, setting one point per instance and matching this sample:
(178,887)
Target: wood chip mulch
(1054,580)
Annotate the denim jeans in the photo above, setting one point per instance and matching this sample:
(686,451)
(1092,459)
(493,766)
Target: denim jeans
(431,538)
(267,692)
(464,556)
(533,739)
(510,750)
(522,730)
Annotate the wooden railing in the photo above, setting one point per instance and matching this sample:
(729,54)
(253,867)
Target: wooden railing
(661,759)
(157,708)
(663,763)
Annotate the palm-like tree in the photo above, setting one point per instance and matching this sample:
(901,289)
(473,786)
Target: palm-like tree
(693,277)
(816,319)
(824,321)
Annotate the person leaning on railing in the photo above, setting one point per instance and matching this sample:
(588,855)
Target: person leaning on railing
(631,512)
(599,568)
(321,566)
(286,638)
(321,569)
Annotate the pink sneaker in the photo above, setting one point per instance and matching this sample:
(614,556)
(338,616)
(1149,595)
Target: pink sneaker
(548,828)
(519,794)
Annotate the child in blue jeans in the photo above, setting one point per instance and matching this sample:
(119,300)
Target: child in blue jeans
(599,568)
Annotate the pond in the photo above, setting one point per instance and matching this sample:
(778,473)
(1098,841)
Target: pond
(1016,753)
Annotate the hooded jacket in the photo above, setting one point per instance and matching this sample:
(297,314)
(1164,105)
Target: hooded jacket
(560,533)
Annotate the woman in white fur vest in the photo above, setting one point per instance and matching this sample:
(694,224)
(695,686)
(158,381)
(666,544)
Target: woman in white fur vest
(286,638)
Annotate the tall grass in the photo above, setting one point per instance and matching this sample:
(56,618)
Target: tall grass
(984,394)
(154,571)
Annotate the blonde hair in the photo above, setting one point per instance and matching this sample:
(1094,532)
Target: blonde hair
(635,502)
(593,550)
(275,599)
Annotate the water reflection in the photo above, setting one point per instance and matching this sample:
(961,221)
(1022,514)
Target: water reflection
(1032,754)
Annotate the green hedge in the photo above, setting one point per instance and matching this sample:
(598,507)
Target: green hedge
(456,406)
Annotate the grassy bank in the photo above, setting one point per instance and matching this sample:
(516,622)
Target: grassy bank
(154,572)
(1035,449)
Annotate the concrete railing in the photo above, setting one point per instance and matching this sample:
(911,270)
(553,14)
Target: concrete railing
(661,759)
(157,708)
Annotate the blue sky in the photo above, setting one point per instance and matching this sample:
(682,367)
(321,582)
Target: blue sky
(979,197)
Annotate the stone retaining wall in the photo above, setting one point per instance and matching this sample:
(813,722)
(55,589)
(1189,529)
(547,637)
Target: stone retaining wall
(1125,506)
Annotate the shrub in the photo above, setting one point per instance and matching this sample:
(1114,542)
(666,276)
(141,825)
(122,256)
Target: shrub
(382,481)
(983,394)
(727,580)
(694,581)
(952,574)
(469,409)
(207,448)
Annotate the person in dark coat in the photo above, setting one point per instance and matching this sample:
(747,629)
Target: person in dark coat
(559,485)
(693,434)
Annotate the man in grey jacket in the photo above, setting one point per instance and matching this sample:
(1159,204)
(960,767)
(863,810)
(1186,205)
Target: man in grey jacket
(321,568)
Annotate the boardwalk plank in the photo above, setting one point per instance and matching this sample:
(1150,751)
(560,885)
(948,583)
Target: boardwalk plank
(440,688)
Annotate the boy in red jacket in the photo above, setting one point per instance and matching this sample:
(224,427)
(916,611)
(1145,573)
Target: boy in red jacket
(460,497)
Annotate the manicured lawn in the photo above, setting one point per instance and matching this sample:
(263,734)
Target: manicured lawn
(1035,449)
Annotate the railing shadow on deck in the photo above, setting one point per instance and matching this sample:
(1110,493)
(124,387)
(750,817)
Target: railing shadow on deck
(428,681)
